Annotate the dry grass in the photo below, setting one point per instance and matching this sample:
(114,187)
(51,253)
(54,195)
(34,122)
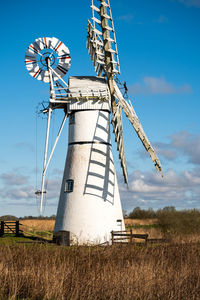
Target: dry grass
(141,226)
(129,222)
(38,228)
(43,225)
(48,225)
(35,225)
(117,272)
(34,271)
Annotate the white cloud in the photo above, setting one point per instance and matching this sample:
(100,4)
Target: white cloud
(158,85)
(20,193)
(149,189)
(181,143)
(13,178)
(53,188)
(165,150)
(17,189)
(189,144)
(17,193)
(180,189)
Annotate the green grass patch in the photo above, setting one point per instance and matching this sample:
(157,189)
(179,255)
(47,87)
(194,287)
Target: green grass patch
(147,226)
(43,233)
(12,239)
(39,234)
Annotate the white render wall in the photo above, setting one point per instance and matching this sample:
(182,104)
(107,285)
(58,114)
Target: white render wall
(91,211)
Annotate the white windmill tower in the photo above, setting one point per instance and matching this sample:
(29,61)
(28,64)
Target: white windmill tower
(89,206)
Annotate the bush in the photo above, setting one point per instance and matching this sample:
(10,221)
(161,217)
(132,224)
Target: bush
(52,217)
(139,213)
(8,218)
(173,222)
(170,220)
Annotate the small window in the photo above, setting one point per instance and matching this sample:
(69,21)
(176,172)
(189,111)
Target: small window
(72,119)
(69,186)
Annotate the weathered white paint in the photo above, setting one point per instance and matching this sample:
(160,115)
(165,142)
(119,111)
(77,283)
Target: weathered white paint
(91,211)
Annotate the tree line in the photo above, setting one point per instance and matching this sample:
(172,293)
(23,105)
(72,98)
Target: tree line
(171,220)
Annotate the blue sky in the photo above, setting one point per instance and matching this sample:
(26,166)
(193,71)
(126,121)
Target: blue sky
(159,46)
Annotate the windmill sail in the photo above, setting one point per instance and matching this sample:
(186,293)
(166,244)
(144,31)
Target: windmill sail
(118,131)
(103,40)
(96,49)
(131,115)
(102,46)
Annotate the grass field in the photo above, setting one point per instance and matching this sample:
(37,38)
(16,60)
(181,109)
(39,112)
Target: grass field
(31,270)
(149,226)
(35,224)
(37,271)
(44,229)
(38,228)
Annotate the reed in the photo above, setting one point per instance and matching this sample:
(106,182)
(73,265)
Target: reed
(34,271)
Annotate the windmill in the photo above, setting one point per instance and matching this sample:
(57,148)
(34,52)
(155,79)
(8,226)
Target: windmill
(89,205)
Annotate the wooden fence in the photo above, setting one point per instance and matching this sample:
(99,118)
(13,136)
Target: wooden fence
(10,227)
(127,236)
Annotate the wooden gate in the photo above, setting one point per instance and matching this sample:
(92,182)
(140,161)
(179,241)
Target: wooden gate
(127,236)
(10,227)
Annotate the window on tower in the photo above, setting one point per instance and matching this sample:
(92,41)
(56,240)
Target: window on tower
(69,186)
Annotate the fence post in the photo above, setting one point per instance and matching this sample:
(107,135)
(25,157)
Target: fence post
(112,237)
(131,236)
(2,228)
(17,228)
